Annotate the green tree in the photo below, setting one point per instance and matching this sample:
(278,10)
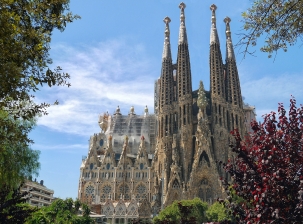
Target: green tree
(278,21)
(25,35)
(17,160)
(62,211)
(26,27)
(13,208)
(177,212)
(217,213)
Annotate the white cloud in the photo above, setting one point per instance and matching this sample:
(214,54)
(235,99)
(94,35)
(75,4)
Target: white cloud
(102,77)
(113,73)
(265,93)
(60,147)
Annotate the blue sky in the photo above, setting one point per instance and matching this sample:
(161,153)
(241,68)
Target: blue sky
(113,54)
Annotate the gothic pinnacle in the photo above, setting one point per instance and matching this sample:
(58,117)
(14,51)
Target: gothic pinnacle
(229,46)
(213,33)
(182,31)
(166,20)
(227,21)
(166,50)
(182,6)
(213,9)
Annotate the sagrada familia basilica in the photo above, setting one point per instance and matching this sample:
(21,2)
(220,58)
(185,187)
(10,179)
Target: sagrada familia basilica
(139,164)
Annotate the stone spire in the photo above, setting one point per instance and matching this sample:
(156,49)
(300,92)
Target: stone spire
(166,91)
(233,83)
(213,32)
(182,31)
(166,49)
(166,85)
(229,46)
(183,62)
(185,100)
(217,79)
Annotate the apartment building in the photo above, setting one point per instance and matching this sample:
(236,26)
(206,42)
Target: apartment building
(39,194)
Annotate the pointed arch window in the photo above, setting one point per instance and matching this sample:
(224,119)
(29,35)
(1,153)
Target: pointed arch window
(204,159)
(176,184)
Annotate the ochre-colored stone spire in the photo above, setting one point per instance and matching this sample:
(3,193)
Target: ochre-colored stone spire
(233,83)
(182,31)
(166,84)
(229,46)
(185,100)
(213,32)
(166,49)
(183,62)
(217,79)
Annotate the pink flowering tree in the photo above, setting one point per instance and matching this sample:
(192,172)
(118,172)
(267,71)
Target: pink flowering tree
(267,170)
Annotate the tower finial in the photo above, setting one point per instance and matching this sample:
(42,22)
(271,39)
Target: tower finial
(229,46)
(182,31)
(167,20)
(166,49)
(182,6)
(213,33)
(227,20)
(213,9)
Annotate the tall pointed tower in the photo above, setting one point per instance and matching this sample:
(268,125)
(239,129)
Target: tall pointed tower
(217,85)
(233,89)
(185,100)
(165,117)
(166,87)
(219,106)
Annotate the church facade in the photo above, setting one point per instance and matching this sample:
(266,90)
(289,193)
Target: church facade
(139,164)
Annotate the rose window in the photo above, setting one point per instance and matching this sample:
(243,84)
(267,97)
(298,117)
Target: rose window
(107,189)
(141,192)
(141,189)
(89,190)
